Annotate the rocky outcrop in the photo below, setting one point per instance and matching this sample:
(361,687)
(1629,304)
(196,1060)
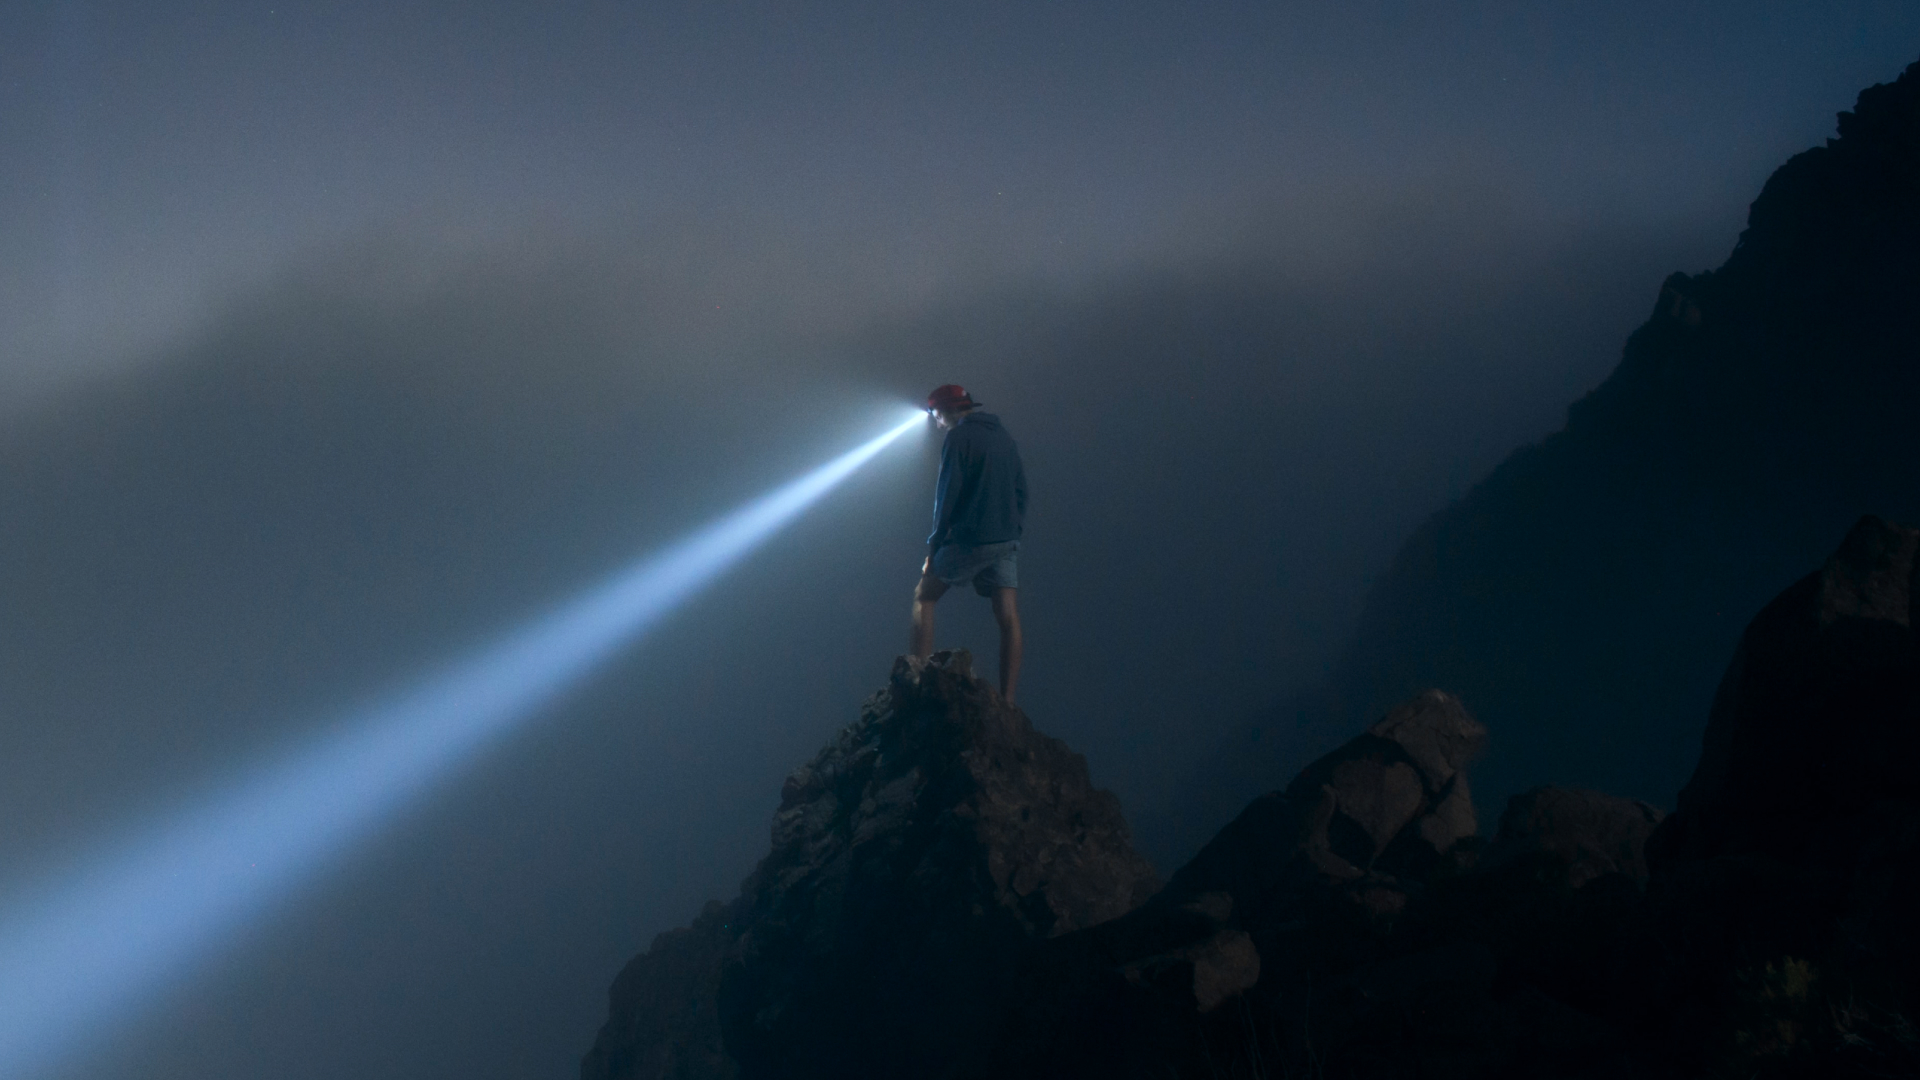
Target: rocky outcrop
(1360,828)
(914,862)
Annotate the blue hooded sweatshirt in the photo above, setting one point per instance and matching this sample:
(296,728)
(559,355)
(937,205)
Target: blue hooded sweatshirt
(981,496)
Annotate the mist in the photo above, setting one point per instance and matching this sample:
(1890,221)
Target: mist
(337,342)
(393,452)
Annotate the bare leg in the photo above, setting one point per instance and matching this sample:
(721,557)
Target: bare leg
(925,595)
(1006,612)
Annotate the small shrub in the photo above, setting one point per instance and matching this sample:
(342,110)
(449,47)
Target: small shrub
(1792,1017)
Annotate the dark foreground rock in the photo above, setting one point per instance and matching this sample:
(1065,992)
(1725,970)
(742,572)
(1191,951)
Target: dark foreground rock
(914,861)
(1340,928)
(1345,846)
(1351,926)
(947,896)
(1590,833)
(1786,887)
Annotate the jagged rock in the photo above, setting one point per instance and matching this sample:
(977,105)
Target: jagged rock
(1589,833)
(1365,823)
(1317,871)
(913,862)
(1394,800)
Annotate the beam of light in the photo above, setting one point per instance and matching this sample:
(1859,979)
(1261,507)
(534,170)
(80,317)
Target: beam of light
(96,942)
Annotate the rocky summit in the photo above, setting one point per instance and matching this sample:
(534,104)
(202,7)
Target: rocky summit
(914,861)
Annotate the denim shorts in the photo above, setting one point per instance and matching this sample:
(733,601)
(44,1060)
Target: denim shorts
(989,566)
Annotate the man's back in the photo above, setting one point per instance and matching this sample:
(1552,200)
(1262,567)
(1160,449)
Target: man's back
(981,496)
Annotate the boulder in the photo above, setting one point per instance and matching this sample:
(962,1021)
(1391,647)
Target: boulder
(1301,885)
(1588,834)
(1394,801)
(1363,825)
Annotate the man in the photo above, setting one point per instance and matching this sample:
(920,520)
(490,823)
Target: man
(979,507)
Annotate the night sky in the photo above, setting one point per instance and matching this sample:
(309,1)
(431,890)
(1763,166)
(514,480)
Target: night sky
(336,339)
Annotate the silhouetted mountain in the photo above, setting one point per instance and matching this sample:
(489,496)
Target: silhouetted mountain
(1583,598)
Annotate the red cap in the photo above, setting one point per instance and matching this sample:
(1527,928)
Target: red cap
(950,398)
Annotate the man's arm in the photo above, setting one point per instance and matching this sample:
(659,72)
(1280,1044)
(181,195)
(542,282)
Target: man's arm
(946,491)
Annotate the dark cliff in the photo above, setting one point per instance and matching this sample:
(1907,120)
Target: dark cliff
(1586,594)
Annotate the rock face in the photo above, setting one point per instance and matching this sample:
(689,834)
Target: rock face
(1761,408)
(914,861)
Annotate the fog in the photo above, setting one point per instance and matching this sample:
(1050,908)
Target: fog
(394,452)
(337,341)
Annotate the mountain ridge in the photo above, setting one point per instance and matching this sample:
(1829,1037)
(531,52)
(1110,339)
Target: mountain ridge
(1585,594)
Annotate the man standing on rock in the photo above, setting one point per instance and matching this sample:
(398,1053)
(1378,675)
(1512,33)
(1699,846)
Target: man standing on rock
(979,507)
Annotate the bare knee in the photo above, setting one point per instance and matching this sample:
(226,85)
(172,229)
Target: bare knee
(928,591)
(1006,606)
